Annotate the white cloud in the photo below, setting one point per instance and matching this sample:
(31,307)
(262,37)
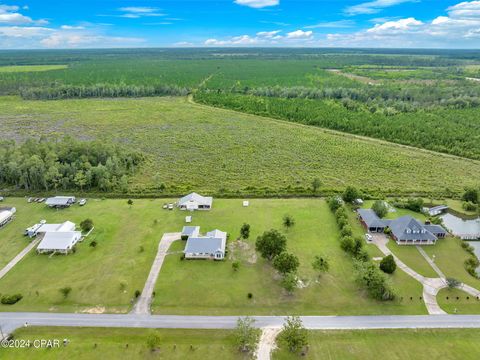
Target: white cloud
(459,28)
(9,15)
(300,34)
(268,34)
(184,44)
(136,12)
(257,4)
(83,40)
(332,24)
(373,7)
(23,31)
(265,38)
(69,27)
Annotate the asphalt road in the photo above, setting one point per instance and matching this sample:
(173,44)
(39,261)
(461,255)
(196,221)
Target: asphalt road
(11,321)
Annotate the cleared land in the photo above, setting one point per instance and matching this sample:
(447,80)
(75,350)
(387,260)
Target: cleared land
(203,287)
(458,302)
(392,345)
(111,343)
(207,149)
(31,68)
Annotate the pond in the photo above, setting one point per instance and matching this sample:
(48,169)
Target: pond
(464,229)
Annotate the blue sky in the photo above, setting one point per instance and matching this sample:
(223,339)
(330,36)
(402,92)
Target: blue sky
(313,23)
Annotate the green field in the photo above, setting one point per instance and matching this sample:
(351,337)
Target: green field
(465,304)
(96,274)
(111,343)
(452,344)
(31,68)
(104,278)
(223,291)
(220,151)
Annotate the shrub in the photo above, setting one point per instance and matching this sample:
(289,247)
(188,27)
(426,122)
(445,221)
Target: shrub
(288,221)
(294,334)
(250,295)
(93,244)
(244,231)
(236,265)
(289,282)
(469,206)
(347,243)
(246,335)
(346,231)
(321,264)
(65,291)
(350,194)
(388,265)
(286,263)
(86,225)
(380,208)
(11,299)
(362,255)
(374,281)
(334,203)
(137,293)
(453,283)
(153,342)
(270,244)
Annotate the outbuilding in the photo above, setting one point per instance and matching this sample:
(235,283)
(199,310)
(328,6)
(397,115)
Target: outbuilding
(195,201)
(59,242)
(60,201)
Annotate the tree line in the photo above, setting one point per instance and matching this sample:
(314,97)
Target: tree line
(66,164)
(99,91)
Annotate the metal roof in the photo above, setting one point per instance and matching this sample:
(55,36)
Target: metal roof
(371,219)
(59,240)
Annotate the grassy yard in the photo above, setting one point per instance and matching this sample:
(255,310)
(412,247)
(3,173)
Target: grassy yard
(101,278)
(461,344)
(251,154)
(203,287)
(465,304)
(111,343)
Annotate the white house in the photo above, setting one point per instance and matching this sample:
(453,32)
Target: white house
(60,201)
(211,246)
(195,201)
(6,215)
(59,242)
(43,228)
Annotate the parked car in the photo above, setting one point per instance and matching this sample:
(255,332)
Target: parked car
(82,202)
(41,200)
(368,237)
(29,199)
(2,198)
(165,206)
(170,206)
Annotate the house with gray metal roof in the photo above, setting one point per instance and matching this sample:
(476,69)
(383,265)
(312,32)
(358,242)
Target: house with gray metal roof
(211,246)
(60,201)
(190,231)
(59,242)
(195,201)
(405,230)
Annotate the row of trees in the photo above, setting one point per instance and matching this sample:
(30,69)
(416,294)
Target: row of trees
(66,164)
(100,90)
(368,274)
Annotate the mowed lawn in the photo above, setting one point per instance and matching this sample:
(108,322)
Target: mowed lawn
(198,147)
(456,301)
(111,343)
(452,344)
(103,278)
(206,287)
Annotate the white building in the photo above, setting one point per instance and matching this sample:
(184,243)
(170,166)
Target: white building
(59,242)
(195,201)
(6,215)
(43,228)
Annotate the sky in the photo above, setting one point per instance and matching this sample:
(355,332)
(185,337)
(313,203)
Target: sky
(47,24)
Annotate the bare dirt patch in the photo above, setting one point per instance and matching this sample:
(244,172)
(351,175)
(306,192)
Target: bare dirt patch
(242,251)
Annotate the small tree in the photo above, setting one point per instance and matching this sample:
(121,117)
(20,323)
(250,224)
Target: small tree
(86,225)
(236,265)
(380,208)
(270,244)
(93,244)
(288,221)
(130,202)
(246,335)
(320,264)
(388,265)
(153,341)
(65,291)
(245,231)
(316,183)
(294,334)
(350,194)
(453,283)
(289,282)
(286,263)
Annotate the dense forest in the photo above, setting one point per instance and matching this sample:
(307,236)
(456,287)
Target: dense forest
(66,164)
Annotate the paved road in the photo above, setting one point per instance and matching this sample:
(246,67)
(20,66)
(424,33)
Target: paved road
(19,257)
(11,321)
(145,300)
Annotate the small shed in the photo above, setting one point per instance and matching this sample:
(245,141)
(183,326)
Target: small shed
(246,203)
